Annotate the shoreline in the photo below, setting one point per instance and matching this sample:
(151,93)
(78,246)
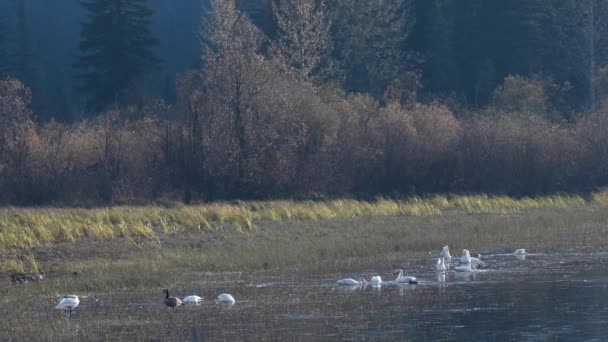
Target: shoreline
(299,243)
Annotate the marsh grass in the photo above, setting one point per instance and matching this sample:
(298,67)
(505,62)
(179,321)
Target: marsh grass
(209,260)
(30,227)
(326,245)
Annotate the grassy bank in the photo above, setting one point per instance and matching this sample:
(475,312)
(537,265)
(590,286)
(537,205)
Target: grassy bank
(231,236)
(27,227)
(219,257)
(329,245)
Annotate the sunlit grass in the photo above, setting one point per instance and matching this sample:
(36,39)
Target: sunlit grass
(30,227)
(213,248)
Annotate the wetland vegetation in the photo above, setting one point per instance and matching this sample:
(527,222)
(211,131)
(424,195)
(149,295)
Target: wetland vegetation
(120,277)
(278,259)
(293,143)
(31,227)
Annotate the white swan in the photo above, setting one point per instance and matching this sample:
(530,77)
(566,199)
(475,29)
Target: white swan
(466,268)
(440,266)
(376,280)
(468,259)
(351,281)
(68,303)
(445,253)
(225,298)
(192,300)
(521,251)
(404,279)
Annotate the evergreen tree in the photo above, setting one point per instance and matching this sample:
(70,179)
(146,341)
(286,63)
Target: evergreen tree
(369,40)
(3,50)
(441,71)
(572,48)
(117,51)
(21,61)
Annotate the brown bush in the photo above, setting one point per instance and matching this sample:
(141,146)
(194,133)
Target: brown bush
(17,137)
(519,154)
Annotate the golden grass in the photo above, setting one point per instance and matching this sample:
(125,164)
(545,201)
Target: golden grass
(29,227)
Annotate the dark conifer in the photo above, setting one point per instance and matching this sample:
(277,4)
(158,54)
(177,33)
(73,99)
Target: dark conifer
(21,64)
(116,52)
(3,50)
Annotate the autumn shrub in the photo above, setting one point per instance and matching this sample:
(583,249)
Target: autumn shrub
(519,154)
(17,138)
(413,148)
(592,133)
(520,94)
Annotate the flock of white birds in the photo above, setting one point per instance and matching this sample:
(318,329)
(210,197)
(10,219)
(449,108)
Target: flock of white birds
(466,263)
(69,302)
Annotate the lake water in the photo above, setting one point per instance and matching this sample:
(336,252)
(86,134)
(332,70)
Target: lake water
(544,297)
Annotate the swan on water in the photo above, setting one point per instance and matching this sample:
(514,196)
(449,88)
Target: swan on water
(520,254)
(440,266)
(171,302)
(521,251)
(68,303)
(376,280)
(225,298)
(400,278)
(351,281)
(464,268)
(445,253)
(192,300)
(468,259)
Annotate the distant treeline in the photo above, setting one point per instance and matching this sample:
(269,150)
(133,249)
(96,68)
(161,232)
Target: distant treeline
(291,141)
(280,117)
(124,52)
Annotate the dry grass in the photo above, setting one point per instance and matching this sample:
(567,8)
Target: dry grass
(26,227)
(134,270)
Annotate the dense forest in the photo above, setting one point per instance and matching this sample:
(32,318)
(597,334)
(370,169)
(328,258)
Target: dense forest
(135,101)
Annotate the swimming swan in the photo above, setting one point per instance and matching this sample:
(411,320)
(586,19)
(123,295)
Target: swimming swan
(68,303)
(351,281)
(467,259)
(404,279)
(376,280)
(521,251)
(225,298)
(440,266)
(445,253)
(192,300)
(466,268)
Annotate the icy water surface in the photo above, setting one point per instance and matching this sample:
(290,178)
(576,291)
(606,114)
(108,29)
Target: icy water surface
(545,297)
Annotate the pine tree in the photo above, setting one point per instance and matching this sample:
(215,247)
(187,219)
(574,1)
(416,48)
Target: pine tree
(3,51)
(369,39)
(441,72)
(578,43)
(117,51)
(21,60)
